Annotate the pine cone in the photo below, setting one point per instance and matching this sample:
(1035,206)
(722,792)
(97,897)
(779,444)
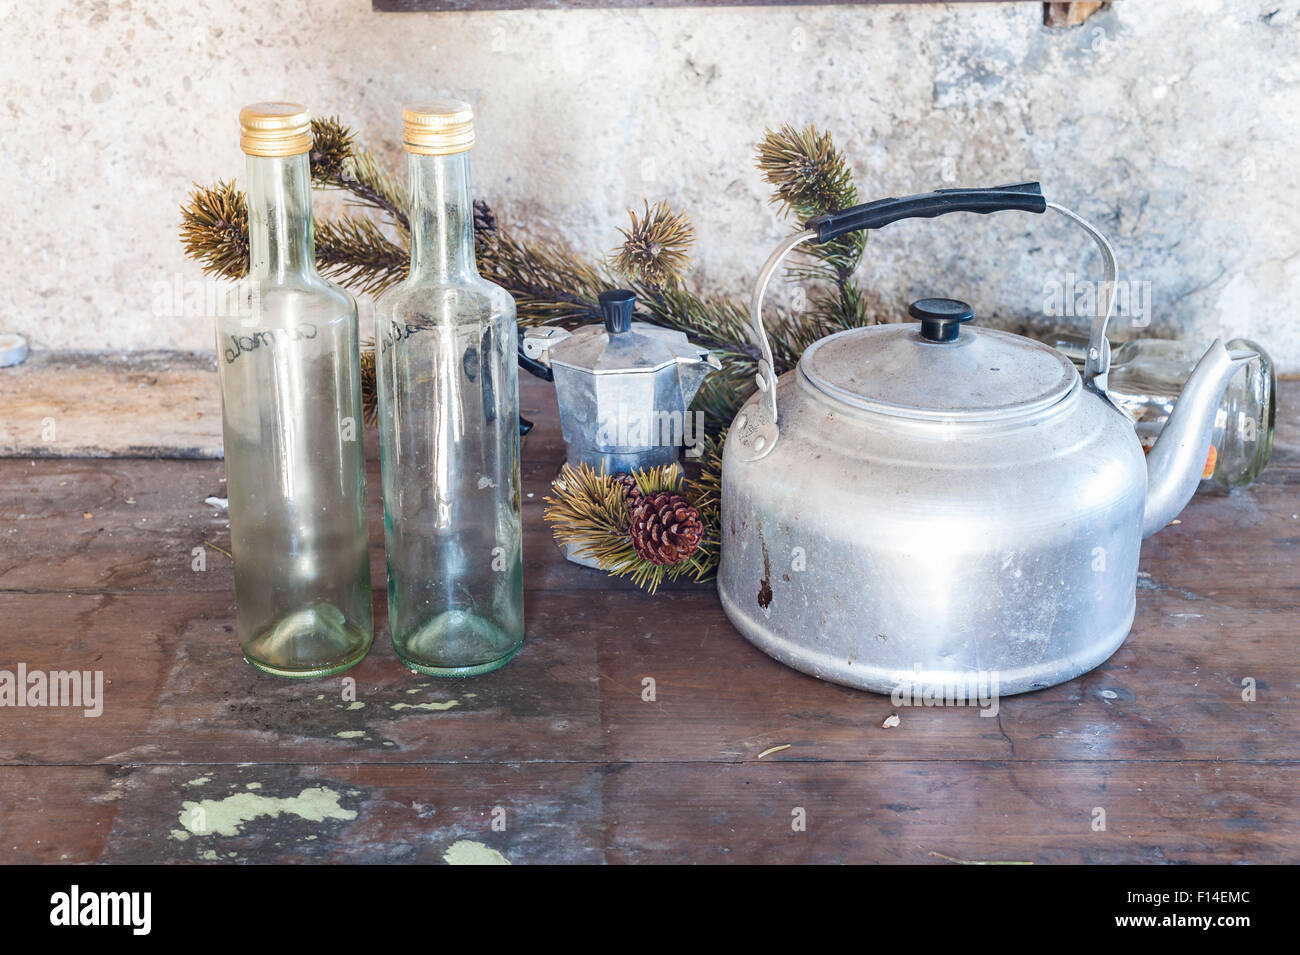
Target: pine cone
(485,220)
(665,529)
(631,491)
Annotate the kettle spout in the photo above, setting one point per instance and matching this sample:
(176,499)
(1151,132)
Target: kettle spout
(1177,460)
(692,369)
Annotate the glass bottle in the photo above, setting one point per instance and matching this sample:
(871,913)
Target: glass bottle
(449,424)
(1148,374)
(290,375)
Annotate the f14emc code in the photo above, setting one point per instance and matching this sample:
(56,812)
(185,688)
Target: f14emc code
(1215,896)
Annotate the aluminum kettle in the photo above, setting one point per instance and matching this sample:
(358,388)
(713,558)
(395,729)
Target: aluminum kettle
(917,505)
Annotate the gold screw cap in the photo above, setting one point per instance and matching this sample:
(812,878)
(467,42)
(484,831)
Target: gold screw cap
(439,127)
(275,129)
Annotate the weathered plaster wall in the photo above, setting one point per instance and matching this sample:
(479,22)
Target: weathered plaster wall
(1172,125)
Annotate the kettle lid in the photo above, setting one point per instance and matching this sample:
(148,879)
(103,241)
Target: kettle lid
(938,370)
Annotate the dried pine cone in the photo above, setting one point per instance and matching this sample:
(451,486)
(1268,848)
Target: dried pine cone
(630,490)
(665,529)
(485,226)
(485,220)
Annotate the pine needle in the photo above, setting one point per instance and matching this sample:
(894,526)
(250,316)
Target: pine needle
(337,162)
(654,249)
(589,511)
(813,178)
(331,147)
(374,187)
(553,284)
(369,386)
(549,284)
(214,229)
(355,251)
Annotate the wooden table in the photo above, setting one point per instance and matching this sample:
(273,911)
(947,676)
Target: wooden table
(559,757)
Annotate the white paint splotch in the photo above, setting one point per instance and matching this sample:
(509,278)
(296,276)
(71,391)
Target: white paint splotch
(468,852)
(228,816)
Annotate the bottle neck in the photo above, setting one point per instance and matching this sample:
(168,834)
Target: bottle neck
(281,244)
(442,218)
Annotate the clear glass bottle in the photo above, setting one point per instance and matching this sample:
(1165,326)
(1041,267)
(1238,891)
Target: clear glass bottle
(290,377)
(1148,374)
(449,424)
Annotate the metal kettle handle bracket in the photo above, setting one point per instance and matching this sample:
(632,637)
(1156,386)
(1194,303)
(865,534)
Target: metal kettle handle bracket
(760,437)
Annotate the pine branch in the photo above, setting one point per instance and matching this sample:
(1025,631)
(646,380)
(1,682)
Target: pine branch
(589,512)
(549,284)
(717,324)
(813,178)
(332,144)
(214,229)
(338,163)
(553,285)
(654,249)
(369,386)
(356,252)
(846,307)
(375,188)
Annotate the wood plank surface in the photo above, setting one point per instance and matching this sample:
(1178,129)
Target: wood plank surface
(900,811)
(88,404)
(96,573)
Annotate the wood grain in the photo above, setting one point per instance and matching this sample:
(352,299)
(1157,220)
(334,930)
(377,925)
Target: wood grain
(564,738)
(84,404)
(1039,812)
(258,813)
(900,811)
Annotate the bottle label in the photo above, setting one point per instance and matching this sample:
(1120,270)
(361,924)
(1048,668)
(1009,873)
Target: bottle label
(242,344)
(401,331)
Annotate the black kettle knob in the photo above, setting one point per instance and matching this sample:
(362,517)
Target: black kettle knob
(941,318)
(617,306)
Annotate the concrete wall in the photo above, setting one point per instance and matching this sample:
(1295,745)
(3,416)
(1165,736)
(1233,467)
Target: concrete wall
(1173,126)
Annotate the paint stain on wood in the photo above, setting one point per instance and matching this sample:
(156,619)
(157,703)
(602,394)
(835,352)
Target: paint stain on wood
(426,706)
(468,852)
(227,817)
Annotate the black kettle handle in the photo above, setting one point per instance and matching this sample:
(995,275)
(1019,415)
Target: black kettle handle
(757,434)
(1022,196)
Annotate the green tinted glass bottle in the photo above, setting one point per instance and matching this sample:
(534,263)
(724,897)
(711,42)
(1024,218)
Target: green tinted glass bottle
(290,376)
(449,424)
